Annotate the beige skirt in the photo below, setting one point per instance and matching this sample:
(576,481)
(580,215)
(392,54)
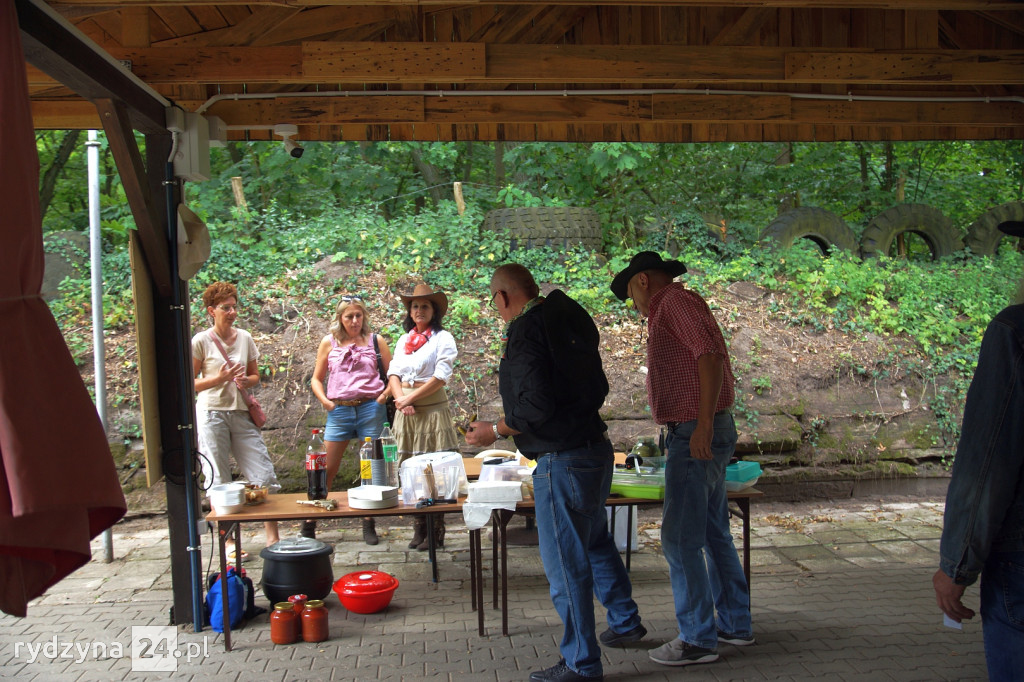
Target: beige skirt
(429,430)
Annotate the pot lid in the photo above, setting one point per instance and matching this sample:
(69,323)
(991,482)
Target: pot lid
(297,546)
(362,582)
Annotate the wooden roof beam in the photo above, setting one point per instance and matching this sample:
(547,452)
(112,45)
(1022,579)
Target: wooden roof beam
(412,62)
(466,108)
(841,4)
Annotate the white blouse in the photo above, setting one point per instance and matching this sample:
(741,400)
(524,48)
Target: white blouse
(435,358)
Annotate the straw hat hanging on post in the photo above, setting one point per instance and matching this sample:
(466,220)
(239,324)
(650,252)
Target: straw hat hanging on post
(193,243)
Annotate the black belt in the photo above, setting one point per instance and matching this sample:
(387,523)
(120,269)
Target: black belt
(586,444)
(672,425)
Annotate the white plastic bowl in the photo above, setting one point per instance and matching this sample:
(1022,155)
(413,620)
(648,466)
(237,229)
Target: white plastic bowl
(224,509)
(227,494)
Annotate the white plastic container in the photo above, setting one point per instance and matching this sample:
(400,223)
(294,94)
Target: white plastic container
(621,529)
(449,476)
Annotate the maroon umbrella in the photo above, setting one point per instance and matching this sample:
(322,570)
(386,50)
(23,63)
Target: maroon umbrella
(58,485)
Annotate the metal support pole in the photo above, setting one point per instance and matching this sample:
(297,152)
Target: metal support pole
(92,152)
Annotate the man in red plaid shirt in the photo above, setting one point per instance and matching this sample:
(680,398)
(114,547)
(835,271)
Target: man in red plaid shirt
(690,389)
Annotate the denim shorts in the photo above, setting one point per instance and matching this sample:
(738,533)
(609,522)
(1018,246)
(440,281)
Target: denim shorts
(345,422)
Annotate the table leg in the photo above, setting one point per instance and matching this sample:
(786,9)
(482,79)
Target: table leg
(472,568)
(744,505)
(504,516)
(432,550)
(223,530)
(629,535)
(476,561)
(494,555)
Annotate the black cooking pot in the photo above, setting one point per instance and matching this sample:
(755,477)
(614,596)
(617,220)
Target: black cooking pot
(297,565)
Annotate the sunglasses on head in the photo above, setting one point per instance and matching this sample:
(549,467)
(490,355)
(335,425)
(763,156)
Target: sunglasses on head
(348,298)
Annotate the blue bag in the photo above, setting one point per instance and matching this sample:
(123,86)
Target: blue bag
(236,602)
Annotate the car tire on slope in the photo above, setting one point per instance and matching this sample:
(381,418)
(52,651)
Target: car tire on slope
(824,228)
(935,228)
(983,236)
(558,226)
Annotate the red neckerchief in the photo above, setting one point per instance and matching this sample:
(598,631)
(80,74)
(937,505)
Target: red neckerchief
(416,340)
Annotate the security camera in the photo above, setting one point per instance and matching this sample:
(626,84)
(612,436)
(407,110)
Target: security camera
(293,148)
(287,131)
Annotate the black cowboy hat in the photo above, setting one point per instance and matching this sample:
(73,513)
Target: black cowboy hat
(645,260)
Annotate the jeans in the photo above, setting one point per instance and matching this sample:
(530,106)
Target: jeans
(345,422)
(704,567)
(1002,615)
(580,558)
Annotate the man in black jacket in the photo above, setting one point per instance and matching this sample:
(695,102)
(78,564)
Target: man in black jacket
(552,385)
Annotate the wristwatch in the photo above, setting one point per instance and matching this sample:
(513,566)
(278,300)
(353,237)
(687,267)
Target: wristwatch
(494,428)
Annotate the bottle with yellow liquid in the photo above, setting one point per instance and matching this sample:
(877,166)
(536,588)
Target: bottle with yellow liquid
(366,462)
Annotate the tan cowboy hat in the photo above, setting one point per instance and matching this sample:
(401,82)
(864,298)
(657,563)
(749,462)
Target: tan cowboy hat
(193,243)
(437,298)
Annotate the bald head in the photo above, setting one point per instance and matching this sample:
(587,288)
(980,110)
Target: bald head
(516,280)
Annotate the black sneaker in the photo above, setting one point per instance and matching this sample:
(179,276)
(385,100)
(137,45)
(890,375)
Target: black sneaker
(560,672)
(308,529)
(735,640)
(611,638)
(678,652)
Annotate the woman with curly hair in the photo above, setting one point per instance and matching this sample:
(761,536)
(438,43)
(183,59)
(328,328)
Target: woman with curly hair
(224,363)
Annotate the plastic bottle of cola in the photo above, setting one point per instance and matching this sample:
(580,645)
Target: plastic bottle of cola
(366,462)
(316,467)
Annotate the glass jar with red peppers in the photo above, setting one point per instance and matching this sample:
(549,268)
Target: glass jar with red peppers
(314,621)
(284,624)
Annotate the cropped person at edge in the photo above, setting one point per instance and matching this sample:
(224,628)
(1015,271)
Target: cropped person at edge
(983,527)
(551,345)
(690,388)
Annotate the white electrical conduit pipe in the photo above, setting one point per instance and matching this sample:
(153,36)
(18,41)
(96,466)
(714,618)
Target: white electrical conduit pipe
(849,97)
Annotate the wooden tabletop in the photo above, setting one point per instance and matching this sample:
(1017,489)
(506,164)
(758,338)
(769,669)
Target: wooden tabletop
(284,507)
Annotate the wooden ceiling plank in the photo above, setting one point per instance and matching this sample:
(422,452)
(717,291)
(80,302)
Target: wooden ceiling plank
(310,24)
(254,27)
(407,25)
(583,63)
(745,30)
(135,27)
(555,26)
(673,26)
(216,64)
(65,115)
(391,61)
(921,30)
(909,113)
(835,27)
(209,17)
(505,24)
(966,66)
(720,108)
(178,20)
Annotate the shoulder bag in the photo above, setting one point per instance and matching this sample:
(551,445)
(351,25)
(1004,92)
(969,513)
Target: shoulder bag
(256,413)
(389,404)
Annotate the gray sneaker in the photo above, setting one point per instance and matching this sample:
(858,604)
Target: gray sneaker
(678,652)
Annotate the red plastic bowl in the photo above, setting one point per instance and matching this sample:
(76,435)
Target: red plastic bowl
(366,591)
